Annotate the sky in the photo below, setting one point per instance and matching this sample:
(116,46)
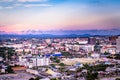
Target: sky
(23,15)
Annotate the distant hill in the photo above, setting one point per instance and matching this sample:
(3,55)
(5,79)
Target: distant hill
(78,32)
(61,33)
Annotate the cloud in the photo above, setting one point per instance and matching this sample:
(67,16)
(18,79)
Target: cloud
(31,0)
(23,0)
(10,4)
(1,7)
(17,5)
(2,25)
(66,15)
(6,7)
(24,5)
(6,0)
(32,5)
(9,7)
(37,5)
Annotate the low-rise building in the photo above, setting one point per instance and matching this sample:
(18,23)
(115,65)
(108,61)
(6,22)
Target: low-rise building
(33,61)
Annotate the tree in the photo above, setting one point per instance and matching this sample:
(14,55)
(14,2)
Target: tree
(117,79)
(95,75)
(106,53)
(62,64)
(9,69)
(91,76)
(53,65)
(7,53)
(57,61)
(53,79)
(49,45)
(62,67)
(89,54)
(117,56)
(97,48)
(92,71)
(66,54)
(31,79)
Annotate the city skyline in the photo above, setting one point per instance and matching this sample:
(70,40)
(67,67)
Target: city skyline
(23,15)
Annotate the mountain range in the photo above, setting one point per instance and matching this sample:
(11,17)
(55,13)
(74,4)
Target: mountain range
(68,32)
(60,33)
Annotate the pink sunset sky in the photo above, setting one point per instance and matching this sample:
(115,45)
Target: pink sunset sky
(22,15)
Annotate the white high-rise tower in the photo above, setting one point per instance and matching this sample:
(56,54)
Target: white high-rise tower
(118,44)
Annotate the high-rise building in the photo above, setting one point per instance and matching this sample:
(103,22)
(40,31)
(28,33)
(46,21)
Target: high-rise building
(92,40)
(112,39)
(118,44)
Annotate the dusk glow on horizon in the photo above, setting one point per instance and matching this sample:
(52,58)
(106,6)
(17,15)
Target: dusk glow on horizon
(22,15)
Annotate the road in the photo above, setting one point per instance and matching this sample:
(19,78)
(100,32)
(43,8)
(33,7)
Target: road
(109,78)
(18,76)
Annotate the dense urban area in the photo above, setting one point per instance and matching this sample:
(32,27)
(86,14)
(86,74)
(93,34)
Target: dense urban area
(80,58)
